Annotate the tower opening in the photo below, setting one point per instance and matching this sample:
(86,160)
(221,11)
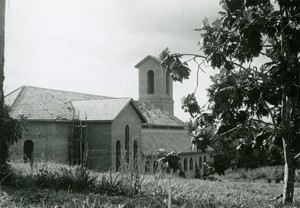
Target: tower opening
(168,83)
(150,77)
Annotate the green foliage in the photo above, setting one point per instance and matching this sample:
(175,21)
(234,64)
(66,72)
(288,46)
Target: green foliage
(202,138)
(126,185)
(179,70)
(268,174)
(154,191)
(246,90)
(11,132)
(78,179)
(171,161)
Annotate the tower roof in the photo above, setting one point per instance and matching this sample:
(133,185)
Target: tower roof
(146,58)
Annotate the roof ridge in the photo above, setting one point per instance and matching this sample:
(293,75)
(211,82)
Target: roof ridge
(125,98)
(39,102)
(65,91)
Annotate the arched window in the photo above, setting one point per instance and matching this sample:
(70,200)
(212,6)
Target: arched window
(155,166)
(118,155)
(28,151)
(127,143)
(185,164)
(168,83)
(150,77)
(135,152)
(200,162)
(191,164)
(204,164)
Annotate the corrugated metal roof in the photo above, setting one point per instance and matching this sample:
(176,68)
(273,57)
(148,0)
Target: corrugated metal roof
(155,116)
(43,104)
(48,104)
(154,140)
(101,110)
(167,140)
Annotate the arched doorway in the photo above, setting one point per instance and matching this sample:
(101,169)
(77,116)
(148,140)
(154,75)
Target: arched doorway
(28,151)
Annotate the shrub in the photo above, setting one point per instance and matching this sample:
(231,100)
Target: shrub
(269,174)
(120,184)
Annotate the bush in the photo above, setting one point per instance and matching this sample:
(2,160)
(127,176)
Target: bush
(269,174)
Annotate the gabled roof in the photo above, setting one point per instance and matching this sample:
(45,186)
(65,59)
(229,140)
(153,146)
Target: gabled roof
(156,117)
(45,104)
(146,58)
(103,110)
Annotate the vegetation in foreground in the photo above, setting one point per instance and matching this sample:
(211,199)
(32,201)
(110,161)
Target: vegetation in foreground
(50,185)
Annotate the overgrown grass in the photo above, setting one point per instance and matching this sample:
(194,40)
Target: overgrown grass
(135,190)
(265,174)
(77,178)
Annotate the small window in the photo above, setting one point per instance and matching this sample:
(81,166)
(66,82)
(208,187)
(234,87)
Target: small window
(191,164)
(150,77)
(118,155)
(185,164)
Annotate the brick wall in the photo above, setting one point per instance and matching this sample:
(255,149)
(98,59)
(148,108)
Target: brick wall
(130,117)
(99,137)
(50,139)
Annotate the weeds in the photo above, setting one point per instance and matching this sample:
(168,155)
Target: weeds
(79,187)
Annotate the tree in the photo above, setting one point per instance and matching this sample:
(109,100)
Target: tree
(10,129)
(2,143)
(244,90)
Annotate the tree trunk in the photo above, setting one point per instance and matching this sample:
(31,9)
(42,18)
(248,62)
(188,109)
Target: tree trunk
(289,168)
(289,172)
(2,34)
(3,143)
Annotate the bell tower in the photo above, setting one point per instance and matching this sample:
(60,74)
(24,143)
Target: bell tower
(155,84)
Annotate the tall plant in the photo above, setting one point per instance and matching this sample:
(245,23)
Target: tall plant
(10,129)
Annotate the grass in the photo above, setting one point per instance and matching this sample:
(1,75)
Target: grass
(152,191)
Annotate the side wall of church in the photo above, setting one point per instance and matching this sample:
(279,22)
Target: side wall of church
(99,137)
(50,141)
(130,117)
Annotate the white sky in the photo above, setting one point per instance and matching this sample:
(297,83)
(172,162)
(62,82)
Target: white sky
(91,46)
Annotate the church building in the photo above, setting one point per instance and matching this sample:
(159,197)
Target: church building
(105,132)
